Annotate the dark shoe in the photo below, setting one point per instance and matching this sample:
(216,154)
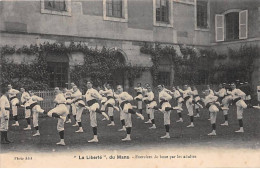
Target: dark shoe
(3,141)
(6,139)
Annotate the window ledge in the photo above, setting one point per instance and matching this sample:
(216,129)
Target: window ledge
(53,12)
(160,24)
(63,13)
(123,20)
(202,29)
(235,41)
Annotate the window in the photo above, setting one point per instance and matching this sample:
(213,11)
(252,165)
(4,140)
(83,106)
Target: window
(202,14)
(232,25)
(58,74)
(162,13)
(162,10)
(164,78)
(58,7)
(115,10)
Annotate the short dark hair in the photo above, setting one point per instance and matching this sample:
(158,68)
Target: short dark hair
(89,81)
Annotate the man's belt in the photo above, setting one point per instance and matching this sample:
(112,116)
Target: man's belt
(138,93)
(163,101)
(123,104)
(237,99)
(221,98)
(91,102)
(195,96)
(77,100)
(186,98)
(109,97)
(150,101)
(7,108)
(209,104)
(60,103)
(12,98)
(32,105)
(177,98)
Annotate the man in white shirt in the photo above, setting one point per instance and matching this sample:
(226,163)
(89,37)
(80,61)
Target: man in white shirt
(73,105)
(196,101)
(103,101)
(35,108)
(67,94)
(60,112)
(110,103)
(164,99)
(238,97)
(24,100)
(92,96)
(126,110)
(177,96)
(187,96)
(210,103)
(14,103)
(139,97)
(77,100)
(224,98)
(4,115)
(145,91)
(151,103)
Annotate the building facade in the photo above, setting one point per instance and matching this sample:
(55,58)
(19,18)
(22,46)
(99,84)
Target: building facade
(126,25)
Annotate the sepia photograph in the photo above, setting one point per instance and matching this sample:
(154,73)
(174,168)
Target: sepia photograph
(130,83)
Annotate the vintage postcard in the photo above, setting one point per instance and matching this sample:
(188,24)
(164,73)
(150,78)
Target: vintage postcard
(130,83)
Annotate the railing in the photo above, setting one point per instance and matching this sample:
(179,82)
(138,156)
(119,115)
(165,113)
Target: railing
(48,97)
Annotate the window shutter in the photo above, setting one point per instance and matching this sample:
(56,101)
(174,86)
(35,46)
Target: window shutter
(243,20)
(219,27)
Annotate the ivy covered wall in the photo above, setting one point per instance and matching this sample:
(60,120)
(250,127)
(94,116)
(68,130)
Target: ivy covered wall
(205,66)
(98,65)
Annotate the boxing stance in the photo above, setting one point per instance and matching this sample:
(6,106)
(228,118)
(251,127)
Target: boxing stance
(60,112)
(14,103)
(126,110)
(151,103)
(238,97)
(210,103)
(33,105)
(25,102)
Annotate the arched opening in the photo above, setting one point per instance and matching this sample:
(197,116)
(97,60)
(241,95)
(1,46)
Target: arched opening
(58,69)
(118,75)
(166,72)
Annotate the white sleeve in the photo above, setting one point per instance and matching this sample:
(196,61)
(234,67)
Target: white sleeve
(240,92)
(38,98)
(3,113)
(180,90)
(97,95)
(167,96)
(15,91)
(128,96)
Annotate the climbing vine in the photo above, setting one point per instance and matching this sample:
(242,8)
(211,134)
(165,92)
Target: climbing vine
(99,65)
(203,66)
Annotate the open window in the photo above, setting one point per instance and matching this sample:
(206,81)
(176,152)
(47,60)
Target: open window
(231,26)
